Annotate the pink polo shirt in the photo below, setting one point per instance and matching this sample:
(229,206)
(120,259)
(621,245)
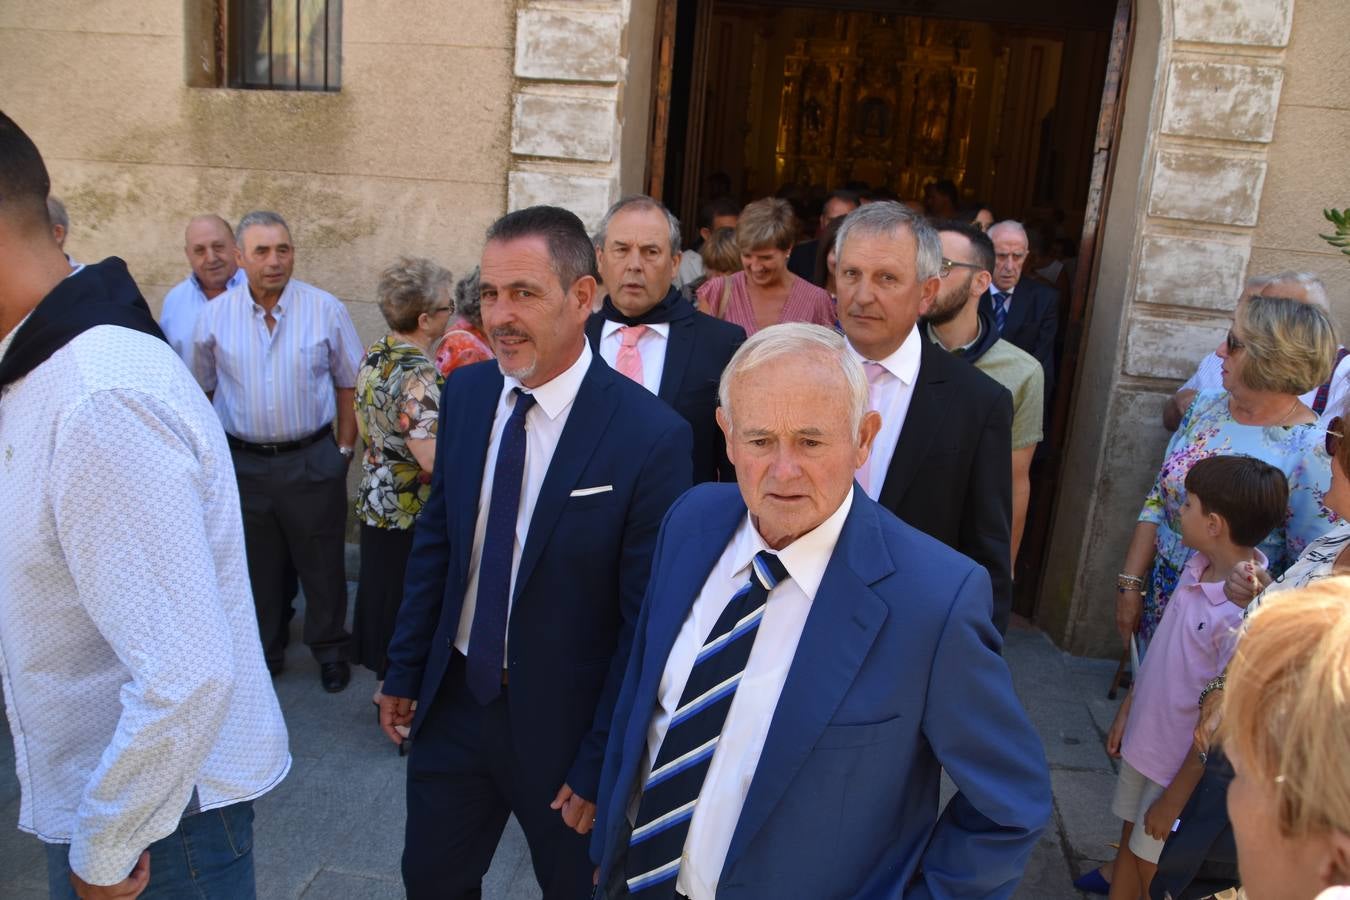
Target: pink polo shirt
(1193,644)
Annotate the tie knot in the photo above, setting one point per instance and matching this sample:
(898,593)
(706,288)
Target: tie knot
(524,402)
(875,372)
(631,334)
(769,569)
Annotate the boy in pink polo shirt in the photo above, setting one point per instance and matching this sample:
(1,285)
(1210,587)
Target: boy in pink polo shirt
(1232,503)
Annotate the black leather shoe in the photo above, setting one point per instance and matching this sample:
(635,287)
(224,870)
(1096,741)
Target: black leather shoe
(334,676)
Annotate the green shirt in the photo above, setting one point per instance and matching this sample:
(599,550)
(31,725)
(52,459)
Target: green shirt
(1022,375)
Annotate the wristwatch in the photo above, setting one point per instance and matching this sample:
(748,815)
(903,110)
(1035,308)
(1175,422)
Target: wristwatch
(347,452)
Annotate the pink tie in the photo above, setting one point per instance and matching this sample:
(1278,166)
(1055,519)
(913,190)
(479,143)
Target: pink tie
(629,360)
(875,372)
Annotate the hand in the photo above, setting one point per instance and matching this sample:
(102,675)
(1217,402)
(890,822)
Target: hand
(578,814)
(1245,582)
(1211,714)
(129,887)
(395,711)
(1162,815)
(1129,610)
(1117,732)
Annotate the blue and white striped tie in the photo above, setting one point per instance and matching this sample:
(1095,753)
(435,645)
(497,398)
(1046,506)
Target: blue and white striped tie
(1000,310)
(671,791)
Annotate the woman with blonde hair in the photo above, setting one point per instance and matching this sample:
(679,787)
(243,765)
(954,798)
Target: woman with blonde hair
(1276,349)
(1286,729)
(765,293)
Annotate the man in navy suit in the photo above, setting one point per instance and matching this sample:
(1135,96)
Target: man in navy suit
(649,332)
(1025,311)
(805,667)
(527,572)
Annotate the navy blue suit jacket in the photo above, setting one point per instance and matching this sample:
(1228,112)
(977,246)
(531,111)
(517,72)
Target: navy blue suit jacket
(1033,321)
(583,568)
(697,350)
(897,676)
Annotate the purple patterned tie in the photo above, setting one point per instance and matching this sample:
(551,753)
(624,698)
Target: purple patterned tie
(487,636)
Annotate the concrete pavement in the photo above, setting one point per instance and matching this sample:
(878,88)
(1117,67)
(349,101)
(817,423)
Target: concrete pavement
(333,829)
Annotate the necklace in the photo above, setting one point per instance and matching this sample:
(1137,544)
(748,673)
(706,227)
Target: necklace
(1235,407)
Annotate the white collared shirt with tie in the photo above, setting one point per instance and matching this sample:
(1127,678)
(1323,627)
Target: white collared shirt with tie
(1001,298)
(890,392)
(544,427)
(747,724)
(651,346)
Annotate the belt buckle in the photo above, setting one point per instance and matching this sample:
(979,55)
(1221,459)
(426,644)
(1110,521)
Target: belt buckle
(270,449)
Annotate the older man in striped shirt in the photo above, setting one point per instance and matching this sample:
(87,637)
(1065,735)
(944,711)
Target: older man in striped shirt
(278,358)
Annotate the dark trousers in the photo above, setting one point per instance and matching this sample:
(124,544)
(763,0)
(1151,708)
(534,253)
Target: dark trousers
(464,780)
(295,511)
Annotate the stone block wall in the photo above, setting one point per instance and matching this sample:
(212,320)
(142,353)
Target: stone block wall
(581,103)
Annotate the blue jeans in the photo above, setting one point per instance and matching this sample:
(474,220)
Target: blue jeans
(209,857)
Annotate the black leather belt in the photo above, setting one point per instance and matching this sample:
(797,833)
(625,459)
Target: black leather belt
(279,447)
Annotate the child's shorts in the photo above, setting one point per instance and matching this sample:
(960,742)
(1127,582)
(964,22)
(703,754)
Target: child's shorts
(1135,793)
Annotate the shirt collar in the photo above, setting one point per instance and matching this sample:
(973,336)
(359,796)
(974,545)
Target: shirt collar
(999,292)
(557,395)
(283,302)
(904,362)
(806,558)
(610,326)
(238,277)
(1213,590)
(933,336)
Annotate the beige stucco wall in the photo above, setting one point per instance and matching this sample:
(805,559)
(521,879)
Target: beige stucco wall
(411,156)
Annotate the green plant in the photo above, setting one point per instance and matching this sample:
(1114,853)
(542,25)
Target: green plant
(1341,239)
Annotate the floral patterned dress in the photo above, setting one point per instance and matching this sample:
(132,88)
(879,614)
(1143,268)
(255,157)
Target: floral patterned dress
(1208,429)
(398,396)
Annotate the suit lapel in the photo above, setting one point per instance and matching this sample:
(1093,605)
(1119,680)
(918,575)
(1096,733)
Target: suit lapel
(586,423)
(679,349)
(1023,299)
(925,410)
(472,438)
(594,327)
(844,620)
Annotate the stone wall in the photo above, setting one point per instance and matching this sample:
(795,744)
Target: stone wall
(1228,153)
(581,107)
(411,156)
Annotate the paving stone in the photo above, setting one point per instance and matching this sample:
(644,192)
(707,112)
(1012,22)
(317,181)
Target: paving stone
(1047,873)
(1083,801)
(1069,735)
(329,884)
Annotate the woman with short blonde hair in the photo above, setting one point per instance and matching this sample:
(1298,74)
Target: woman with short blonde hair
(1286,729)
(765,293)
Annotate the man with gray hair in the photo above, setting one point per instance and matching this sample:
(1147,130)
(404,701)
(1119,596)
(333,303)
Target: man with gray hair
(279,358)
(60,219)
(649,332)
(878,668)
(942,460)
(1024,309)
(1325,401)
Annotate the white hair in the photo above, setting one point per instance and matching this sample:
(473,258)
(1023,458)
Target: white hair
(1010,225)
(639,202)
(887,218)
(1312,287)
(798,340)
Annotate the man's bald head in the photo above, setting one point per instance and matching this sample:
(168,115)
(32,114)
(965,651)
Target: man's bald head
(209,245)
(1305,287)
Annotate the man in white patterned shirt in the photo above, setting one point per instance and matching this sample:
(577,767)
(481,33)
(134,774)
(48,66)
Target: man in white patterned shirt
(279,357)
(143,719)
(208,243)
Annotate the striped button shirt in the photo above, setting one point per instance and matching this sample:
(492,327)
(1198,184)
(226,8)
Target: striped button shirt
(278,385)
(178,317)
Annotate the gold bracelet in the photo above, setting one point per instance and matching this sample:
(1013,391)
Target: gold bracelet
(1126,582)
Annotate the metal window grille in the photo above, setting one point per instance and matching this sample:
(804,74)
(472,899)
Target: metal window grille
(285,45)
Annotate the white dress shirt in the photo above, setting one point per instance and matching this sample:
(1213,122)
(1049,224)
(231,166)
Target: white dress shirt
(890,397)
(543,427)
(747,724)
(1209,377)
(651,347)
(275,385)
(182,303)
(134,677)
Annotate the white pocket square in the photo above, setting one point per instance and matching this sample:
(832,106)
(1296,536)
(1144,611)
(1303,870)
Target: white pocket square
(586,492)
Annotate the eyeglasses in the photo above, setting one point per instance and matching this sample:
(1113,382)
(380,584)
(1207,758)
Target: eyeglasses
(1335,434)
(949,264)
(439,309)
(1234,345)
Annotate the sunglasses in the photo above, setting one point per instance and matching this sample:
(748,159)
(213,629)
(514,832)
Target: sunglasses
(1335,434)
(1234,345)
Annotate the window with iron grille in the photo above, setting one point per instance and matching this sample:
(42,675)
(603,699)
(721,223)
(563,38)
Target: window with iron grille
(284,45)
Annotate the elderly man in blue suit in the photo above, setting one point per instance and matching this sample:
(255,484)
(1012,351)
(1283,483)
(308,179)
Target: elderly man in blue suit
(805,667)
(527,572)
